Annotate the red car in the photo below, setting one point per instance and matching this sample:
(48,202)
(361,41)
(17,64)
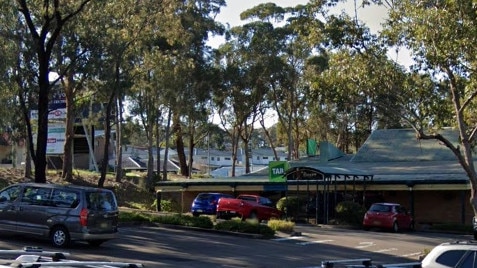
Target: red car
(391,216)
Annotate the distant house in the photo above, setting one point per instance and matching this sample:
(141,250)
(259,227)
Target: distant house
(263,156)
(212,157)
(215,159)
(136,159)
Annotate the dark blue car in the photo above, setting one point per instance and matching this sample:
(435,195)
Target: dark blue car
(206,203)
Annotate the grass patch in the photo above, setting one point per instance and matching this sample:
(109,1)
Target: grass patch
(281,226)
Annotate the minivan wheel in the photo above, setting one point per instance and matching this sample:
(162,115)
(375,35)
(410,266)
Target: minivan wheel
(60,237)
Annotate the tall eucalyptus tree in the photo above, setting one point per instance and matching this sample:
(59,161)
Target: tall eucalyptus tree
(288,91)
(250,59)
(192,108)
(442,38)
(45,21)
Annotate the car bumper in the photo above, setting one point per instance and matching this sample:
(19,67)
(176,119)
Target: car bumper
(89,236)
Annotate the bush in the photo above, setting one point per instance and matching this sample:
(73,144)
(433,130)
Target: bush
(249,227)
(184,220)
(168,205)
(125,216)
(349,212)
(290,205)
(282,226)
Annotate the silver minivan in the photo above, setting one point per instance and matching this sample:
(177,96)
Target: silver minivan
(61,213)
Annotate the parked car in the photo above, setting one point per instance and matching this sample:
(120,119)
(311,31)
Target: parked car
(62,213)
(206,203)
(391,216)
(247,206)
(459,254)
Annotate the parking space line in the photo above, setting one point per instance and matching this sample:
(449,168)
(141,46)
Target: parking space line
(385,250)
(314,242)
(288,238)
(365,244)
(412,254)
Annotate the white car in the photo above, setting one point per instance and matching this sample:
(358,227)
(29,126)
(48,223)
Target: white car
(459,254)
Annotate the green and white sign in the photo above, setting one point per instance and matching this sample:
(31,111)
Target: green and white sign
(276,170)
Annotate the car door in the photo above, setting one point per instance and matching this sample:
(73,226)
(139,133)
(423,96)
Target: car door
(267,207)
(402,217)
(33,207)
(8,207)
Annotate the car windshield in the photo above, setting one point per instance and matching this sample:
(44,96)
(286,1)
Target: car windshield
(380,208)
(203,197)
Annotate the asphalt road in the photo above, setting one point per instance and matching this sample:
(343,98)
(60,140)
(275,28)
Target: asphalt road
(169,247)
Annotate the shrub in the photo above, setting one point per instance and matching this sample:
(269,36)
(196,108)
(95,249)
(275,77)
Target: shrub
(249,227)
(125,216)
(290,205)
(282,226)
(168,205)
(349,212)
(184,220)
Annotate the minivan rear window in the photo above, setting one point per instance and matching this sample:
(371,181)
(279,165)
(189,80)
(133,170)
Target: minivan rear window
(101,201)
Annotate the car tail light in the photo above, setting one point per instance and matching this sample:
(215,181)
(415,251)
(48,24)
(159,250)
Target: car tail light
(84,217)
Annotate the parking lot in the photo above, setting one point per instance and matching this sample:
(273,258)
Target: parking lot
(170,247)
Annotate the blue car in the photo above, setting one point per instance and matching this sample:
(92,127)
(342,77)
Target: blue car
(206,203)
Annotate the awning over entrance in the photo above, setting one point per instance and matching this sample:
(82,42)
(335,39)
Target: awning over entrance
(326,173)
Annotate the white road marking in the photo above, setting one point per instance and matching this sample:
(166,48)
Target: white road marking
(314,242)
(386,250)
(412,254)
(288,238)
(365,244)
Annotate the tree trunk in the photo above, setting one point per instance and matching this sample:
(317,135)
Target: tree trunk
(246,148)
(180,146)
(42,134)
(119,140)
(150,161)
(158,149)
(107,137)
(67,170)
(166,149)
(191,154)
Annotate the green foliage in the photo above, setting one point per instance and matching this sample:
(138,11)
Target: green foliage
(290,205)
(169,205)
(282,226)
(133,217)
(249,227)
(183,220)
(349,212)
